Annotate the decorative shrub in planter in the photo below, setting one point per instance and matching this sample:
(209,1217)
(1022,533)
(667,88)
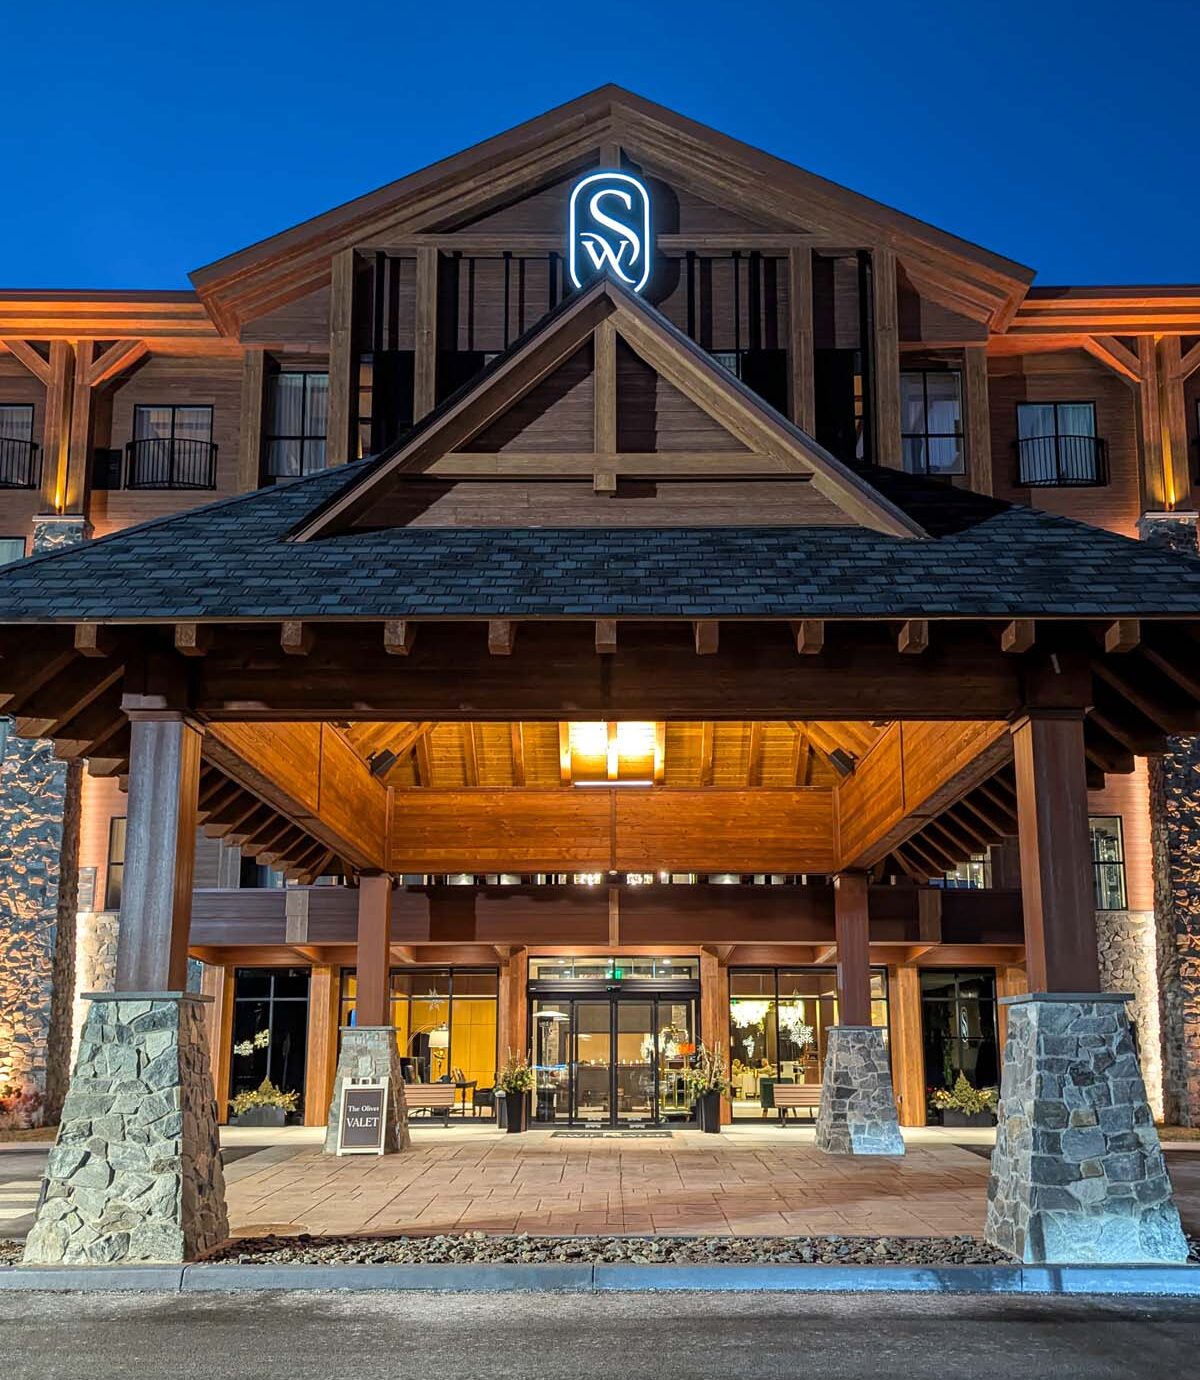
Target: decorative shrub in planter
(265,1105)
(708,1084)
(964,1105)
(515,1080)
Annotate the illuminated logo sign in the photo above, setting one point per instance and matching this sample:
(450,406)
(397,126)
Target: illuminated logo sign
(610,229)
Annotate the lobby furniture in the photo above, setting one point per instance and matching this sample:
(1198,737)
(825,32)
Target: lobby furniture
(432,1097)
(464,1086)
(766,1092)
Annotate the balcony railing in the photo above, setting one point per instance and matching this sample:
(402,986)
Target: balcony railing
(1061,462)
(20,464)
(170,462)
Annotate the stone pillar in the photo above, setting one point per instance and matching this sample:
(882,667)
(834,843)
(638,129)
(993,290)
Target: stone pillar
(857,1115)
(370,1052)
(39,832)
(135,1175)
(1077,1173)
(1175,840)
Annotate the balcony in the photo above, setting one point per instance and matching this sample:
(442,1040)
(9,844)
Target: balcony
(170,462)
(20,464)
(1067,462)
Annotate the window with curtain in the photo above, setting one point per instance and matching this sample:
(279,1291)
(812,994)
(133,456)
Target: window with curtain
(1108,861)
(1056,443)
(172,448)
(931,421)
(17,470)
(11,549)
(297,413)
(114,872)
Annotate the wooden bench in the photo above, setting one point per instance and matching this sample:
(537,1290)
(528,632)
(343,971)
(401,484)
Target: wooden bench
(788,1096)
(433,1097)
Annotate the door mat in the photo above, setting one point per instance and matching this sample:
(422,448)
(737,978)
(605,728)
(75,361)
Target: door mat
(611,1135)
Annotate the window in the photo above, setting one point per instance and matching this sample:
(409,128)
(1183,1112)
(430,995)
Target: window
(172,448)
(1108,861)
(115,871)
(297,409)
(931,421)
(270,1029)
(958,1023)
(17,450)
(972,875)
(11,549)
(1057,444)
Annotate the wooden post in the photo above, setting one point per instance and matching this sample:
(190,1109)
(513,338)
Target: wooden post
(373,1002)
(425,360)
(1057,885)
(324,1002)
(512,1035)
(908,1055)
(1155,492)
(254,380)
(340,443)
(604,373)
(217,983)
(160,848)
(851,926)
(800,342)
(1173,411)
(57,426)
(1011,981)
(978,419)
(885,321)
(78,482)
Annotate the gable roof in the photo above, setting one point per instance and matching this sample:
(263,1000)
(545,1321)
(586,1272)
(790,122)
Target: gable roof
(669,351)
(234,561)
(566,140)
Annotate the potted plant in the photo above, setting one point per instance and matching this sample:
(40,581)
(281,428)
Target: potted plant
(964,1105)
(265,1105)
(707,1083)
(515,1082)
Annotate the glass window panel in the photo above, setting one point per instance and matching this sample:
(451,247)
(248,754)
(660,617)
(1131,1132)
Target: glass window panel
(943,403)
(11,549)
(1076,419)
(151,422)
(16,422)
(914,454)
(476,984)
(284,458)
(193,423)
(313,456)
(912,402)
(285,405)
(316,410)
(751,983)
(252,982)
(473,1040)
(291,984)
(251,1018)
(937,984)
(944,455)
(1035,419)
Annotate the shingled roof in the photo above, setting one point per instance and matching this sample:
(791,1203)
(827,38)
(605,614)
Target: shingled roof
(233,560)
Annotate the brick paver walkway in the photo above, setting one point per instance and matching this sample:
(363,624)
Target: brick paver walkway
(689,1184)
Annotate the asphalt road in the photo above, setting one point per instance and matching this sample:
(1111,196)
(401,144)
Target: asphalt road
(548,1336)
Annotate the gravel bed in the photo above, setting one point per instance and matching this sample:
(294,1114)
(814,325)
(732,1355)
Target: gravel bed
(481,1248)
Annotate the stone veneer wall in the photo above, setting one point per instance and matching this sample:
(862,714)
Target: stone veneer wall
(1175,840)
(39,849)
(1127,942)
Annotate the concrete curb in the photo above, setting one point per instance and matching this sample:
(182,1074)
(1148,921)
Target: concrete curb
(1112,1280)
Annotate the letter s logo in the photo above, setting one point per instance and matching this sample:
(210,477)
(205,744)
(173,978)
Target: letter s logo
(610,230)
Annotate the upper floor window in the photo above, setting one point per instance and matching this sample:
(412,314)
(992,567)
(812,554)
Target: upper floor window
(18,454)
(932,421)
(1108,861)
(1057,444)
(11,549)
(297,412)
(115,869)
(172,448)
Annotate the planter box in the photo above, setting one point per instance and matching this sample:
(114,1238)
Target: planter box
(708,1113)
(261,1116)
(517,1112)
(953,1117)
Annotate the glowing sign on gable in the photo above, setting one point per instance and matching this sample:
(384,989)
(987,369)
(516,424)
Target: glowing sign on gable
(609,229)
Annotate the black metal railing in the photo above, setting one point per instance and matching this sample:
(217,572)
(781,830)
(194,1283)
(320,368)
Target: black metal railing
(1061,462)
(20,464)
(170,462)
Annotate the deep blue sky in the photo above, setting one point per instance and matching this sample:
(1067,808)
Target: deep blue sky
(142,140)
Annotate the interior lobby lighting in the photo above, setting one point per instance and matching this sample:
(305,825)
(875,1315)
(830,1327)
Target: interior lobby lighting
(639,782)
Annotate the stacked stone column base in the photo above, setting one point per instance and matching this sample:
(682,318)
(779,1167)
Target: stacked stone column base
(1077,1174)
(369,1051)
(857,1115)
(135,1175)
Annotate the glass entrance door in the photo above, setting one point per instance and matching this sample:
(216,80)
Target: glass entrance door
(614,1060)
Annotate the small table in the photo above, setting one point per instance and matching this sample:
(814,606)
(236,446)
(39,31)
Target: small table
(463,1087)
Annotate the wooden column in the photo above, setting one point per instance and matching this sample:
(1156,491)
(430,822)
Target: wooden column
(1173,411)
(373,1002)
(324,996)
(160,849)
(425,360)
(254,382)
(57,425)
(512,1036)
(714,1013)
(217,983)
(851,928)
(77,481)
(1156,496)
(908,1054)
(341,443)
(978,419)
(800,338)
(885,322)
(1057,886)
